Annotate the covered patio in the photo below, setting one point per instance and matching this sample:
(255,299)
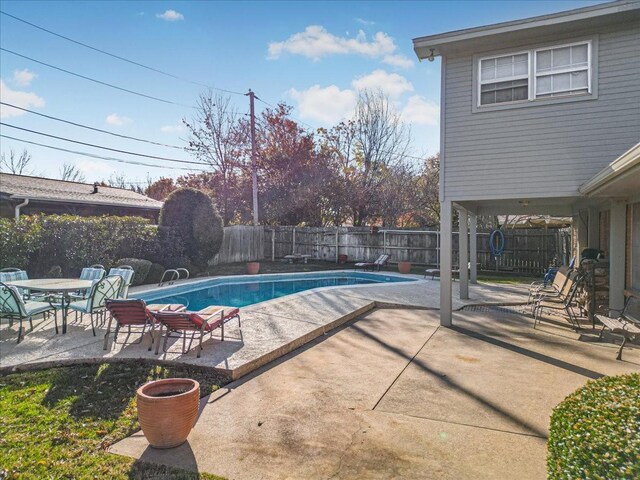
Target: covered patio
(605,213)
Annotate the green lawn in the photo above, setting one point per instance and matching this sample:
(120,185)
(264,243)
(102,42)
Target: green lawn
(57,423)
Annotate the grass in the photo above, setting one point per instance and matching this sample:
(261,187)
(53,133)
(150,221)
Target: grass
(57,423)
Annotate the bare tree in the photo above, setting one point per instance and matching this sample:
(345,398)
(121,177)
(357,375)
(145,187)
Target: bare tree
(71,173)
(18,165)
(217,136)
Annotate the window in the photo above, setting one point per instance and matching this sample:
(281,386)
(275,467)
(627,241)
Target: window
(561,70)
(504,79)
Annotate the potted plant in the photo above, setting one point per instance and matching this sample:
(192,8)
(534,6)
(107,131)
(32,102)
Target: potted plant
(168,410)
(253,268)
(404,267)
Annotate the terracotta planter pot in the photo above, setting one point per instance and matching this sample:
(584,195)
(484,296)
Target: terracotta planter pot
(253,268)
(168,410)
(404,267)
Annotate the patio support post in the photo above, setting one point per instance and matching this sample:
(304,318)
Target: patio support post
(445,263)
(617,219)
(473,247)
(594,228)
(463,252)
(581,230)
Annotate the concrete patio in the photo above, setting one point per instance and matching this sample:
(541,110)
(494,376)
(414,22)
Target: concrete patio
(269,329)
(394,395)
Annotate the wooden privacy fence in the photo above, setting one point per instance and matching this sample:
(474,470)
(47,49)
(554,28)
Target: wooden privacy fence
(526,250)
(241,243)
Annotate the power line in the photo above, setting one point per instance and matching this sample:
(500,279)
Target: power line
(91,128)
(103,148)
(84,77)
(113,55)
(100,157)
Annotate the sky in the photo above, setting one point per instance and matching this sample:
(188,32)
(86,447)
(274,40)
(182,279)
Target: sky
(314,56)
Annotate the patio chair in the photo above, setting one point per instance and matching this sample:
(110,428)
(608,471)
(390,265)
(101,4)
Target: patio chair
(133,314)
(564,303)
(556,295)
(95,273)
(13,307)
(100,292)
(181,323)
(380,262)
(626,323)
(12,274)
(127,274)
(540,288)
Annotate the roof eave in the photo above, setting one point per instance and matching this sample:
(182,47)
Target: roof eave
(424,46)
(625,162)
(81,202)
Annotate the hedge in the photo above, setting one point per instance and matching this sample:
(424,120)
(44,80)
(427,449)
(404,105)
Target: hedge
(191,215)
(595,432)
(41,243)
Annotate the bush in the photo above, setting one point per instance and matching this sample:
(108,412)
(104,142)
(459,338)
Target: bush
(192,216)
(155,273)
(595,431)
(38,243)
(140,266)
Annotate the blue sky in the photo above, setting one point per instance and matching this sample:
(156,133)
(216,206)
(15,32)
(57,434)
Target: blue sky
(312,55)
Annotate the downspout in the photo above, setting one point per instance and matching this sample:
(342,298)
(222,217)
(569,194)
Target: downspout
(18,207)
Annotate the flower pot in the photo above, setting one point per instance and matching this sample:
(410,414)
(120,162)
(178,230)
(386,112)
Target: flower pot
(253,268)
(404,267)
(168,410)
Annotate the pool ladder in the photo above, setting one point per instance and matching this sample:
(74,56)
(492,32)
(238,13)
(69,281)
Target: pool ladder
(174,274)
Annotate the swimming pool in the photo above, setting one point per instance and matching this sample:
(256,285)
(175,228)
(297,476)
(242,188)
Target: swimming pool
(250,289)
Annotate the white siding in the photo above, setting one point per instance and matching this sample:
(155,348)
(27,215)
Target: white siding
(544,150)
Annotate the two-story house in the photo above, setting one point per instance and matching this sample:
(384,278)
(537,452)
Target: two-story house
(542,116)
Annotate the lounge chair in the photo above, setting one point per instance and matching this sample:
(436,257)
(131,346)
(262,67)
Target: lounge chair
(13,307)
(136,314)
(379,263)
(435,272)
(626,324)
(197,323)
(539,288)
(105,289)
(229,312)
(562,302)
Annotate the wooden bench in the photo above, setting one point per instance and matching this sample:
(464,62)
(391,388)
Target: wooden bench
(627,324)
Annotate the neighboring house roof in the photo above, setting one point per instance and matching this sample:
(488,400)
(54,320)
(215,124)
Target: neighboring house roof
(499,34)
(620,178)
(21,187)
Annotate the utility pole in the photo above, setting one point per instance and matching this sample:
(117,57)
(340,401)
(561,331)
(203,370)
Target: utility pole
(254,168)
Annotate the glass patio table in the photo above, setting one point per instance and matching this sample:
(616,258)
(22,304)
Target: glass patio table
(52,286)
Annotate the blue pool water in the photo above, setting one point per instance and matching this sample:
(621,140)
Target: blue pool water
(247,290)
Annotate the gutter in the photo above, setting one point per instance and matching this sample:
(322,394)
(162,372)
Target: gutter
(18,207)
(84,202)
(618,167)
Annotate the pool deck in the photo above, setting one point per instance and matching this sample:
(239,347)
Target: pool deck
(269,329)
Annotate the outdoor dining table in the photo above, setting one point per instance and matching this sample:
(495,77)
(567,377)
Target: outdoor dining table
(52,286)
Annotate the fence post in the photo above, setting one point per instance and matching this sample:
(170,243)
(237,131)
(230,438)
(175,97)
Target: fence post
(337,244)
(293,246)
(273,245)
(384,242)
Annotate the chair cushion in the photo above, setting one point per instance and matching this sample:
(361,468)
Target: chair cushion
(92,274)
(80,306)
(33,308)
(125,273)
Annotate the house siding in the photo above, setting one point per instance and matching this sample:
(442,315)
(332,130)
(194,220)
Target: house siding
(548,149)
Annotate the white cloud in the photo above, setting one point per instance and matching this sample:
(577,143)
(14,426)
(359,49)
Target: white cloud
(20,99)
(23,77)
(172,128)
(362,21)
(399,61)
(117,120)
(391,84)
(93,168)
(170,16)
(327,105)
(316,42)
(419,110)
